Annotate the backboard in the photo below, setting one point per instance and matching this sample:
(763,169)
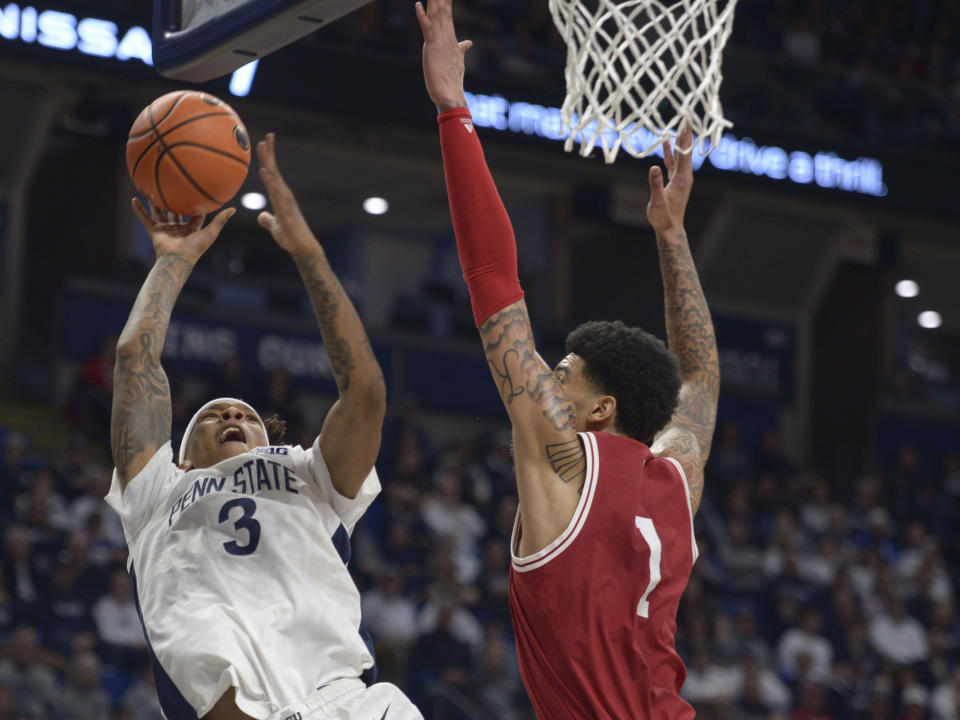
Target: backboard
(198,40)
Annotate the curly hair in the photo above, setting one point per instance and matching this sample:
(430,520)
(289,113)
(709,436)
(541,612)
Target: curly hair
(634,367)
(276,428)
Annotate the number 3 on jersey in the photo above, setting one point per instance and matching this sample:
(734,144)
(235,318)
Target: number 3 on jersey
(244,522)
(649,532)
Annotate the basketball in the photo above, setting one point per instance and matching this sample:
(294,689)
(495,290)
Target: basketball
(188,152)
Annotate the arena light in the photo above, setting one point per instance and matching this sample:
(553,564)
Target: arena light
(242,79)
(254,201)
(376,205)
(907,288)
(929,319)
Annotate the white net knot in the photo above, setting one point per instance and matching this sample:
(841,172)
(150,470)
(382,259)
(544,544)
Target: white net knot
(637,68)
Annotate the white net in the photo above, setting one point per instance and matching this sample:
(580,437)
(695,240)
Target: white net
(637,68)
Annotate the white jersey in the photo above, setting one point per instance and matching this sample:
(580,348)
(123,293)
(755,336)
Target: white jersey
(240,578)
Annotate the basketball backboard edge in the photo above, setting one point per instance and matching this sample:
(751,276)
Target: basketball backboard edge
(251,30)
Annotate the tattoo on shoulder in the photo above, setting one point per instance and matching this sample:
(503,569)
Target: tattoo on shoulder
(519,371)
(568,461)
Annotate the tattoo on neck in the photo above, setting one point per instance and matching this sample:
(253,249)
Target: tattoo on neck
(568,460)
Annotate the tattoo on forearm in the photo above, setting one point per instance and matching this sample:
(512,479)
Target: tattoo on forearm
(568,461)
(141,416)
(519,371)
(691,338)
(347,345)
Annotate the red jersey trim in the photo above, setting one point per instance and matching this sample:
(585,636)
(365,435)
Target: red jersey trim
(542,557)
(686,488)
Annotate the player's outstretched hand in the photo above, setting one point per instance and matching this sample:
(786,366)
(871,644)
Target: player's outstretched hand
(667,205)
(286,222)
(188,239)
(443,56)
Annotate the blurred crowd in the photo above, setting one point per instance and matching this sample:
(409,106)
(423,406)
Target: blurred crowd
(887,72)
(811,599)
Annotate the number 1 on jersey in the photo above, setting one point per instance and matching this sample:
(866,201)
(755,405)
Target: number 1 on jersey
(649,532)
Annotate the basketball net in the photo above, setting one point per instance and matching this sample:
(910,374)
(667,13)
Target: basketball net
(637,68)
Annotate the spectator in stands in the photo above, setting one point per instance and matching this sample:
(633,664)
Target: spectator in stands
(83,698)
(495,684)
(812,699)
(898,637)
(915,699)
(728,460)
(391,619)
(13,471)
(140,699)
(93,392)
(439,655)
(806,640)
(43,503)
(96,484)
(63,611)
(945,702)
(743,561)
(707,682)
(447,515)
(118,624)
(757,688)
(33,683)
(20,570)
(494,582)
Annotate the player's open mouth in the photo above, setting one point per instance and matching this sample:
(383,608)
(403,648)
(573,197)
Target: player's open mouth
(231,433)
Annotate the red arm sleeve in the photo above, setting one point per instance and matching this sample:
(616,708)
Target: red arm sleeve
(485,242)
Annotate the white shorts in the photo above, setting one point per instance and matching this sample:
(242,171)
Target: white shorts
(351,699)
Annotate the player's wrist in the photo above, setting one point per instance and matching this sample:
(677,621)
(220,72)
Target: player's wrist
(672,232)
(307,249)
(451,104)
(179,255)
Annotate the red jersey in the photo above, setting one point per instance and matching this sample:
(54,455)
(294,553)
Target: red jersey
(595,612)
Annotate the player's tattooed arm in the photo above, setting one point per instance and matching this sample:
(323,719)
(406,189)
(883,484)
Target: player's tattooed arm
(543,417)
(140,421)
(691,337)
(351,432)
(520,373)
(689,435)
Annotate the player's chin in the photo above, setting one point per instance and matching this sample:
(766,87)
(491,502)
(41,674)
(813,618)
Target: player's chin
(227,450)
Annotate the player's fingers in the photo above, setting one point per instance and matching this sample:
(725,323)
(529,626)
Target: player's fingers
(656,185)
(422,17)
(192,224)
(274,185)
(141,214)
(154,213)
(265,153)
(685,142)
(267,221)
(668,159)
(217,224)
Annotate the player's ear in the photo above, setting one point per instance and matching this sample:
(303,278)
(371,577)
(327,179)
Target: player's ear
(603,411)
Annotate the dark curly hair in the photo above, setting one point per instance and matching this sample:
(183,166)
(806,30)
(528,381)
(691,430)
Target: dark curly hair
(633,366)
(276,428)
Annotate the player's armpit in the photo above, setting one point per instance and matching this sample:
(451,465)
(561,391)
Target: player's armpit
(680,443)
(544,419)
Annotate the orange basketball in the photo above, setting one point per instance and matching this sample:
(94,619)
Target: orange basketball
(188,152)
